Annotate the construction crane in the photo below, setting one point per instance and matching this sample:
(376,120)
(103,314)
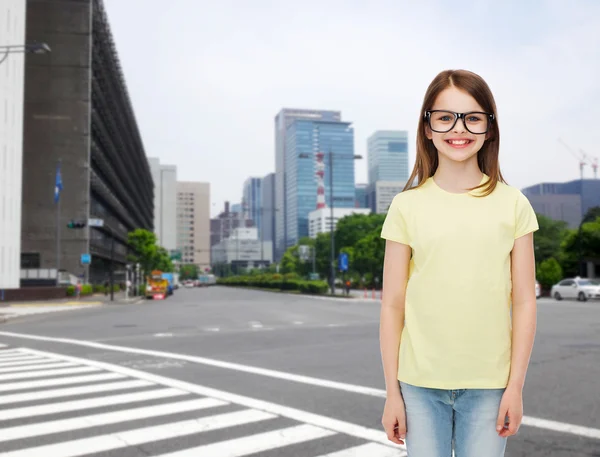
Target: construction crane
(583,158)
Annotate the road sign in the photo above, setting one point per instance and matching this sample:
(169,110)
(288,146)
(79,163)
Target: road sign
(314,276)
(96,222)
(86,259)
(343,262)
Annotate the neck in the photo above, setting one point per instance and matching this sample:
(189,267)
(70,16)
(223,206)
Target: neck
(457,176)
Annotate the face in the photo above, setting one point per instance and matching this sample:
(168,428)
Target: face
(457,145)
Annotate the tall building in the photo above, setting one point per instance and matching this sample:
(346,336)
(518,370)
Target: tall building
(304,137)
(361,199)
(193,223)
(12,32)
(236,208)
(267,228)
(387,161)
(77,110)
(283,120)
(568,201)
(252,200)
(165,203)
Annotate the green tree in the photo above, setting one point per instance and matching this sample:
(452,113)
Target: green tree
(548,238)
(188,272)
(143,244)
(162,260)
(549,273)
(592,214)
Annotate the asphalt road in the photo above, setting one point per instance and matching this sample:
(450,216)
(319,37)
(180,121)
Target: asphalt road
(230,372)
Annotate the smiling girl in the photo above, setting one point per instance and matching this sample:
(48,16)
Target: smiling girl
(458,315)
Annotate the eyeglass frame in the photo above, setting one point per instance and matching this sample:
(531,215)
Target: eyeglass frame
(458,116)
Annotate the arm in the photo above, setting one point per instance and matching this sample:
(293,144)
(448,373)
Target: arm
(524,308)
(395,277)
(523,333)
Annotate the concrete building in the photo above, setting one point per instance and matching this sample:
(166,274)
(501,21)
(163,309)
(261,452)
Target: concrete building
(222,226)
(267,228)
(77,110)
(387,160)
(242,250)
(283,120)
(193,223)
(12,32)
(319,220)
(165,203)
(568,201)
(252,200)
(382,193)
(310,137)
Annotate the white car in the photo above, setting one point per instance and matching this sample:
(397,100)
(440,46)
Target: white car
(538,290)
(582,289)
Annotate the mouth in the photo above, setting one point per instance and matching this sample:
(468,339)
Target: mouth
(459,144)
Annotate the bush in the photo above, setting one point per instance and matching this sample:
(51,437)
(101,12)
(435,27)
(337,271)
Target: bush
(70,291)
(549,273)
(288,282)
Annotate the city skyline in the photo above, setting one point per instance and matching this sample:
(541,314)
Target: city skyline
(542,77)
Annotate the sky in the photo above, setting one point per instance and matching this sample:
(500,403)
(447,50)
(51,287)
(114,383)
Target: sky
(207,78)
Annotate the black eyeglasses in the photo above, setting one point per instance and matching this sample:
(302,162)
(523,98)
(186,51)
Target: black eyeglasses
(476,122)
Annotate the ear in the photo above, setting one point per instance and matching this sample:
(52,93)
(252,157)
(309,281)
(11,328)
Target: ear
(428,133)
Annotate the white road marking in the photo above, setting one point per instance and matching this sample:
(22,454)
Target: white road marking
(365,450)
(255,324)
(37,367)
(163,335)
(14,358)
(142,435)
(78,405)
(2,345)
(252,444)
(71,391)
(317,420)
(531,421)
(30,361)
(58,381)
(297,322)
(44,373)
(211,329)
(9,353)
(98,420)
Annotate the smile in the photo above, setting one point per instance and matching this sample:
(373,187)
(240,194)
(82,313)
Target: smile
(459,143)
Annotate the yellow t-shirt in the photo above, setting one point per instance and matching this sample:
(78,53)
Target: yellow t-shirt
(457,331)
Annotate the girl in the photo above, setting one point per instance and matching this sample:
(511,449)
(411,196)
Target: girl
(459,253)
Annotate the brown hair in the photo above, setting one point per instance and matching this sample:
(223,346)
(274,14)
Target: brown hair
(487,157)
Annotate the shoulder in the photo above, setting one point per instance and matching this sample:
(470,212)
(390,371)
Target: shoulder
(406,197)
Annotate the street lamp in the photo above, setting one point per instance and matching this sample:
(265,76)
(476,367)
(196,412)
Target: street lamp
(33,48)
(330,156)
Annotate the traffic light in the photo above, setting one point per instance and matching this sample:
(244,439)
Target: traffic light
(76,224)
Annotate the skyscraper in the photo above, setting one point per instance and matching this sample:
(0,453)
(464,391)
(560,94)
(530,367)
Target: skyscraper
(193,223)
(267,229)
(252,200)
(11,142)
(165,203)
(306,137)
(282,121)
(387,152)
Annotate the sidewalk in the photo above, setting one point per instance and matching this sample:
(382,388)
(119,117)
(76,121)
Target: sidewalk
(11,310)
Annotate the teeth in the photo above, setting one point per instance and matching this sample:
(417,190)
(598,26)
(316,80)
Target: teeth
(458,141)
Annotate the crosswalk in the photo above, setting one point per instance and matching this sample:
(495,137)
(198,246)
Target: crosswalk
(56,406)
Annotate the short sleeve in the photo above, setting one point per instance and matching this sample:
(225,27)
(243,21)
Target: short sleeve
(525,218)
(394,226)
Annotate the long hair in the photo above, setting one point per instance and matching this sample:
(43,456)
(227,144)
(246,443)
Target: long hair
(487,157)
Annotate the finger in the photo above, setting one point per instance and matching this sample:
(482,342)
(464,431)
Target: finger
(501,420)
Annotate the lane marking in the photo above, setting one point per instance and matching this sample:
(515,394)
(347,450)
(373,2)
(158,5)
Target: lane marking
(78,405)
(144,435)
(37,367)
(58,381)
(44,373)
(98,420)
(29,361)
(317,420)
(71,391)
(252,444)
(531,421)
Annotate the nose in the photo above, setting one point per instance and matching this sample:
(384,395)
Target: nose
(459,125)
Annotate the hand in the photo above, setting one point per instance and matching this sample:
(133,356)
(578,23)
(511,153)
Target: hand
(394,419)
(511,405)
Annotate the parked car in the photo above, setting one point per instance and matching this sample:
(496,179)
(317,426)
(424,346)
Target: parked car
(582,289)
(538,290)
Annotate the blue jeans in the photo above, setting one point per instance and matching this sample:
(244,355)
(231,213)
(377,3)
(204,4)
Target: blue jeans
(438,421)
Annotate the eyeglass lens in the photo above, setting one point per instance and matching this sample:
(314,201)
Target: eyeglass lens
(443,121)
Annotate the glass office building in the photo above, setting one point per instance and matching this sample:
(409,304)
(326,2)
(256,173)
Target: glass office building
(252,200)
(307,138)
(388,156)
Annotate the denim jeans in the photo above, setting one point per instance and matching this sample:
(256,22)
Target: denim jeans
(438,421)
